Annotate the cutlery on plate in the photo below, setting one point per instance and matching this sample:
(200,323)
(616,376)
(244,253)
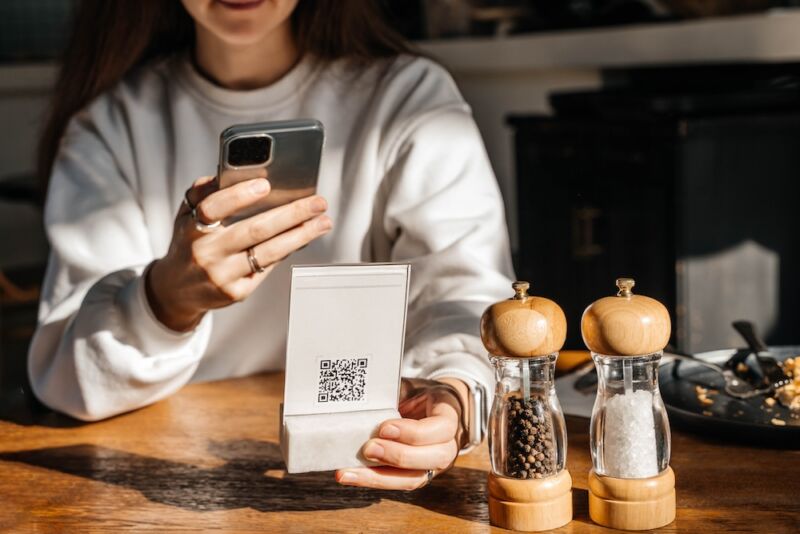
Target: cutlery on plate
(734,386)
(773,374)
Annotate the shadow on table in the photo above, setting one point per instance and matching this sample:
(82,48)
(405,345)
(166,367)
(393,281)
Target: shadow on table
(18,405)
(241,482)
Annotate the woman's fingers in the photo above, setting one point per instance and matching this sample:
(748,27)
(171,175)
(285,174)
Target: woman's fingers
(236,277)
(201,188)
(240,288)
(227,202)
(264,226)
(427,431)
(220,256)
(395,454)
(388,478)
(278,247)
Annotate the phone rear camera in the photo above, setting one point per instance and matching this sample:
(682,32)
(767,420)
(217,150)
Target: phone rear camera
(247,151)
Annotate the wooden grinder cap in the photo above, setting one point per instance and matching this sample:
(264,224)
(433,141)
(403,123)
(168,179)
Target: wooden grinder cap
(523,326)
(627,324)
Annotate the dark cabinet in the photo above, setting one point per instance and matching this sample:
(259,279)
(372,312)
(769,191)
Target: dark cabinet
(701,211)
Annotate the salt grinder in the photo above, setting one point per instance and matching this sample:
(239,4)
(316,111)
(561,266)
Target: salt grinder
(631,485)
(529,488)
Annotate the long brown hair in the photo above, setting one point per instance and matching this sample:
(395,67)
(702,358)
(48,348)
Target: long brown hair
(110,38)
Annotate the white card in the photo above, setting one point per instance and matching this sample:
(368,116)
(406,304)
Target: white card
(345,341)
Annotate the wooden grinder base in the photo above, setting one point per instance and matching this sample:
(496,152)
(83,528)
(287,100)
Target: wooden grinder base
(632,504)
(530,505)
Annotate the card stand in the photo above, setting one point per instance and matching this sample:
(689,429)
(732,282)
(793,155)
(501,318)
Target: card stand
(323,442)
(344,350)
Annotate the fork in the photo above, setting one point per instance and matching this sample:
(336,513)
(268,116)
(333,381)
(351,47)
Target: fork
(773,374)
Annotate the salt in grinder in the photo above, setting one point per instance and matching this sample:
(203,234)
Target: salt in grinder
(631,485)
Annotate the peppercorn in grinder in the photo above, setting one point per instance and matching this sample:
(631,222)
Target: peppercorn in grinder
(529,488)
(631,485)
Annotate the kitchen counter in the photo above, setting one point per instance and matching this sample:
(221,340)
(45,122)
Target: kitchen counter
(207,458)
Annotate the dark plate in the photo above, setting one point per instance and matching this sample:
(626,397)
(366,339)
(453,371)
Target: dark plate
(730,418)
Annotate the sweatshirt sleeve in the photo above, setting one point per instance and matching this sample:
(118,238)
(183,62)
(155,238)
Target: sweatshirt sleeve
(98,349)
(444,214)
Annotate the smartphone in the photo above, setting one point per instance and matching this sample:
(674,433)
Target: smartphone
(287,153)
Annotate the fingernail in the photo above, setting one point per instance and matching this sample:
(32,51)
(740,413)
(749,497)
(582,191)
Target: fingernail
(373,451)
(259,186)
(390,432)
(318,205)
(347,476)
(324,223)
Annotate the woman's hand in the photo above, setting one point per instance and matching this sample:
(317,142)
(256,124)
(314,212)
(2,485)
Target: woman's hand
(207,270)
(427,438)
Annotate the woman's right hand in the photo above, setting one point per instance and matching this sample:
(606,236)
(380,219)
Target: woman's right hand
(203,271)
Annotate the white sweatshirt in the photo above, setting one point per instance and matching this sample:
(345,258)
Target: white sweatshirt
(406,177)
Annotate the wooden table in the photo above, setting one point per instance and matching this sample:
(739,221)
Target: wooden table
(207,458)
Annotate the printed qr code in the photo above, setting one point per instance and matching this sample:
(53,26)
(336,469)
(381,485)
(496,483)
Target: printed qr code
(342,380)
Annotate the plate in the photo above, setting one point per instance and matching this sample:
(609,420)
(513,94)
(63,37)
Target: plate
(745,420)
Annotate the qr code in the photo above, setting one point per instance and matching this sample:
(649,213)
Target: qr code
(342,380)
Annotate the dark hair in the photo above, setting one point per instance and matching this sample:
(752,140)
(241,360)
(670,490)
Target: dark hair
(110,38)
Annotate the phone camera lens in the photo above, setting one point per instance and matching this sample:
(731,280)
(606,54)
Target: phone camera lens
(248,151)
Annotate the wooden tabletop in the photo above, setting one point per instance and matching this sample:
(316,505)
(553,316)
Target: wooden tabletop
(207,458)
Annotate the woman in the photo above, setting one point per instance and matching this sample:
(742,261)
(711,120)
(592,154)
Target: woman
(138,301)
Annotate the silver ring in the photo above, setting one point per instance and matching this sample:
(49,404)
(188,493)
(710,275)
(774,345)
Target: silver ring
(428,476)
(199,225)
(255,268)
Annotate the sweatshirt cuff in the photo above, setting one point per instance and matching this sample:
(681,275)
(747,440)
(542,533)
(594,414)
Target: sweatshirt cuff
(464,367)
(154,338)
(456,355)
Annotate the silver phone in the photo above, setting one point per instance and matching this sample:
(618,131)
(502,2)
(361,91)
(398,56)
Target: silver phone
(288,153)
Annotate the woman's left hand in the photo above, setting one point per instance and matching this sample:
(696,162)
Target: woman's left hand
(428,437)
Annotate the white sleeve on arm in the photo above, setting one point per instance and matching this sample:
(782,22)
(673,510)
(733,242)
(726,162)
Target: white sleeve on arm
(444,213)
(98,350)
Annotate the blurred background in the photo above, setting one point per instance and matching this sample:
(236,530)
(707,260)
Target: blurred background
(658,139)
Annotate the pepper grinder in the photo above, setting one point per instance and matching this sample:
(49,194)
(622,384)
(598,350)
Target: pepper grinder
(529,488)
(631,485)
